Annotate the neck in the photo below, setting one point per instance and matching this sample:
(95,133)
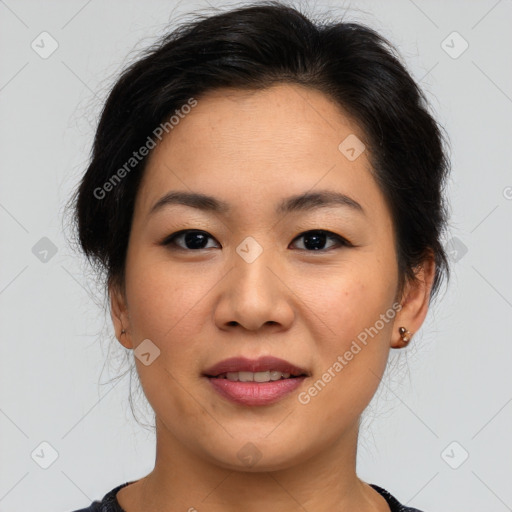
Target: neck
(182,480)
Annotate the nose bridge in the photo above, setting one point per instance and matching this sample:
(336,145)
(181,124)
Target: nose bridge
(251,261)
(253,296)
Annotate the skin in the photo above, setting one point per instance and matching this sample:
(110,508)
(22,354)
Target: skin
(200,306)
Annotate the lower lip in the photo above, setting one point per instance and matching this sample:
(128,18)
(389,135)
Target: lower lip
(255,393)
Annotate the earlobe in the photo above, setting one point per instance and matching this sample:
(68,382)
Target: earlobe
(119,315)
(415,303)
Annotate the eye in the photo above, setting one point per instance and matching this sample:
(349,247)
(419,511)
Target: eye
(193,239)
(316,239)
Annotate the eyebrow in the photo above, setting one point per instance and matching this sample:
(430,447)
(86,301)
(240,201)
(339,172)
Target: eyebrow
(301,202)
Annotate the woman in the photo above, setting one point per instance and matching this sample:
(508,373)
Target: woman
(266,198)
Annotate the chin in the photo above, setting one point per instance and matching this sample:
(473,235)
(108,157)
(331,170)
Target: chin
(257,455)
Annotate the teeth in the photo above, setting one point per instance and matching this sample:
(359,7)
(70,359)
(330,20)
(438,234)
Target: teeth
(254,376)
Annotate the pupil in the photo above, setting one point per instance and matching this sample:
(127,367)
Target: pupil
(318,238)
(191,240)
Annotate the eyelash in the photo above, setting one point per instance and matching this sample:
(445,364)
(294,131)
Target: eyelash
(170,240)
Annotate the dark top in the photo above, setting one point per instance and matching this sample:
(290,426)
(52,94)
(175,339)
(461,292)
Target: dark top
(109,502)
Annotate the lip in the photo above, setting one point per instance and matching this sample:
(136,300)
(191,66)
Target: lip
(255,393)
(262,364)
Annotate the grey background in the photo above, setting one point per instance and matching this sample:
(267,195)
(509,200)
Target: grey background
(453,384)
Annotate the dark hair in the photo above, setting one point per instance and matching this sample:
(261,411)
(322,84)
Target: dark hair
(252,48)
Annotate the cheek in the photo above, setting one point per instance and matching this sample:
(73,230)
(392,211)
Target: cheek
(351,357)
(353,315)
(164,309)
(350,299)
(163,301)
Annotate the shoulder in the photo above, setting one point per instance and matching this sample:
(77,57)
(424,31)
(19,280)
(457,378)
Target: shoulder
(109,502)
(394,504)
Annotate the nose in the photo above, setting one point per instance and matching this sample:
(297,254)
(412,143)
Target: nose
(254,295)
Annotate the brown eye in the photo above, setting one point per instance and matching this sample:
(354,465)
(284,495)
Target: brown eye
(316,240)
(188,239)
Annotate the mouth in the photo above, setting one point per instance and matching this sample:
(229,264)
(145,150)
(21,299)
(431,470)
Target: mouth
(255,382)
(264,369)
(268,376)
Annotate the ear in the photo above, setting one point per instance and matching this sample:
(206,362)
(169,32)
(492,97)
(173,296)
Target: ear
(415,301)
(119,315)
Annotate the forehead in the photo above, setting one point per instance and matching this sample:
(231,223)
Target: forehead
(265,144)
(284,116)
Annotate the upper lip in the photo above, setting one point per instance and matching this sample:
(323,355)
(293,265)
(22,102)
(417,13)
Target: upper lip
(262,364)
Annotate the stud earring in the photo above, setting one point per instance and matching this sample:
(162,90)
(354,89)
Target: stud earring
(404,334)
(123,332)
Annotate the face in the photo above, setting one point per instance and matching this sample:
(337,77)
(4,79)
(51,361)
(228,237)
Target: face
(313,283)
